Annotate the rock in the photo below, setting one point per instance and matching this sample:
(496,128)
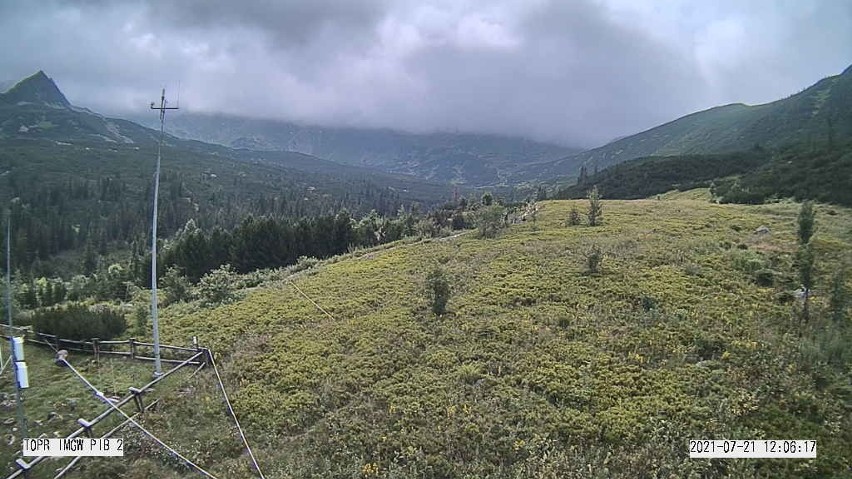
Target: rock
(9,421)
(53,415)
(762,230)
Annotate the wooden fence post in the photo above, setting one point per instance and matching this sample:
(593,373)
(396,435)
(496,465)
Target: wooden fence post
(132,342)
(96,348)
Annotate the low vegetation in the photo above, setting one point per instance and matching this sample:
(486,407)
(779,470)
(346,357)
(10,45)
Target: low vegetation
(79,322)
(539,369)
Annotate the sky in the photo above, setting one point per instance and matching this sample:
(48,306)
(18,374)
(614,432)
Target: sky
(576,72)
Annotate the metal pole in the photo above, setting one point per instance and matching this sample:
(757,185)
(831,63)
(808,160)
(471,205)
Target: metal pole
(154,319)
(22,422)
(157,365)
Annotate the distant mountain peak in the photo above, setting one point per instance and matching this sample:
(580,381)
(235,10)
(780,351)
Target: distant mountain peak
(37,88)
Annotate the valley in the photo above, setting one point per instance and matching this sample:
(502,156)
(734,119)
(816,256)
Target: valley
(410,305)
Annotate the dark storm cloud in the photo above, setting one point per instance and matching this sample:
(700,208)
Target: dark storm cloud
(579,72)
(289,22)
(572,68)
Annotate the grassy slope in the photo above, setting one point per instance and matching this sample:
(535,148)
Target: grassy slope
(539,369)
(702,194)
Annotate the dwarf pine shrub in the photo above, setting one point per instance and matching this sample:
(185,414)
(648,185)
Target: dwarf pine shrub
(438,290)
(574,217)
(594,258)
(78,322)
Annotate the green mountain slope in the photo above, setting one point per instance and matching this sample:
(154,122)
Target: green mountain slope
(822,174)
(799,172)
(820,114)
(35,109)
(644,177)
(468,159)
(539,369)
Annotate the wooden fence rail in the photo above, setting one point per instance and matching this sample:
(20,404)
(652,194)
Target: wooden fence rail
(128,347)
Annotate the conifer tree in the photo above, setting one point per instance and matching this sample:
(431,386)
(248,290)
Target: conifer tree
(438,290)
(805,256)
(595,208)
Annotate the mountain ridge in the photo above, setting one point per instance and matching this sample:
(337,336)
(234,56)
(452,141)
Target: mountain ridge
(84,180)
(469,159)
(821,112)
(35,109)
(37,88)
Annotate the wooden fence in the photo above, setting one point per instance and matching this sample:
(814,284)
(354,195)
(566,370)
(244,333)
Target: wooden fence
(131,348)
(196,356)
(87,427)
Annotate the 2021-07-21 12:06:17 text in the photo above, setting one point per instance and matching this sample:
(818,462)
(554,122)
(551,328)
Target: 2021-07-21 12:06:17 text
(753,448)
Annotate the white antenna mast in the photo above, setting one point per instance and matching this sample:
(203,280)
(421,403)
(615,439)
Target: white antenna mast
(158,370)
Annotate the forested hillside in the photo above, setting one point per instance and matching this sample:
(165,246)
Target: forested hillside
(798,171)
(81,184)
(644,177)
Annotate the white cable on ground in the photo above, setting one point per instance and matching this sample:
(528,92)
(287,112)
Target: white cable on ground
(312,301)
(236,421)
(51,346)
(103,398)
